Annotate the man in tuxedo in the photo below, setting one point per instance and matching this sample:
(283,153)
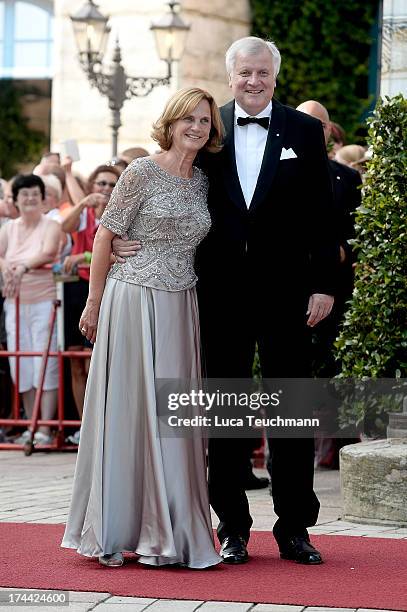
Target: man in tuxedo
(266,276)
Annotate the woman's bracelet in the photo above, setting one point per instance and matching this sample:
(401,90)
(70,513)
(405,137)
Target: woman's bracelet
(87,257)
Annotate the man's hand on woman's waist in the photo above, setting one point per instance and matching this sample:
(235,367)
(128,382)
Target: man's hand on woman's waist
(123,247)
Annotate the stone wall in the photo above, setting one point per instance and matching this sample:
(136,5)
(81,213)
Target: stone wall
(80,112)
(374,482)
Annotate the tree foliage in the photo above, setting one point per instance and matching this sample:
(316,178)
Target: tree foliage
(19,143)
(373,342)
(325,50)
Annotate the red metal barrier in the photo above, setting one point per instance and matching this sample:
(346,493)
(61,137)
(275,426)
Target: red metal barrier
(60,422)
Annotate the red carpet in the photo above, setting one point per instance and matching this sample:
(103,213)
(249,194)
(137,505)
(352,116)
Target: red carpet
(358,573)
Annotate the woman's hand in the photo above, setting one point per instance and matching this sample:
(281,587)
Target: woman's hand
(12,275)
(66,164)
(71,261)
(94,200)
(7,269)
(89,321)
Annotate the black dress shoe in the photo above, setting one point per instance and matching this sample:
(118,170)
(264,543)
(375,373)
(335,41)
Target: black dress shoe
(255,482)
(300,550)
(234,550)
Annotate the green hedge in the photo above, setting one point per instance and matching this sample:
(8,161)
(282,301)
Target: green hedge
(374,338)
(325,50)
(373,342)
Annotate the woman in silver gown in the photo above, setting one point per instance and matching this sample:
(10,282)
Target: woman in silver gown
(134,491)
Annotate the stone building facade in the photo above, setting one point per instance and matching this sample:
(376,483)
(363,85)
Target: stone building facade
(394,48)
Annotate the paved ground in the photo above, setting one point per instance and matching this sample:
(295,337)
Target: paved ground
(27,483)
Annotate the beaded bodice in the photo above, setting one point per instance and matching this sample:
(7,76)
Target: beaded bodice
(168,214)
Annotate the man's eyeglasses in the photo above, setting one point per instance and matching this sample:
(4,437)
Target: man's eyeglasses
(105,184)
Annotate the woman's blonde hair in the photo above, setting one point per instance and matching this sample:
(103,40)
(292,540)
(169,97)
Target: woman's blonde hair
(180,105)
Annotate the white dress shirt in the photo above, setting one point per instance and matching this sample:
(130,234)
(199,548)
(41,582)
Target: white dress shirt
(250,142)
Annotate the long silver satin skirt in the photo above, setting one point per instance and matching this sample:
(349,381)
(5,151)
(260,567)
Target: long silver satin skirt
(134,491)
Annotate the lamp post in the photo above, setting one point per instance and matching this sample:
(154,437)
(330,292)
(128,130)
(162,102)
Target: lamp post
(92,31)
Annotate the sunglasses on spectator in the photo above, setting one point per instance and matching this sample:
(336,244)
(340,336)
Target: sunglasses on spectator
(105,184)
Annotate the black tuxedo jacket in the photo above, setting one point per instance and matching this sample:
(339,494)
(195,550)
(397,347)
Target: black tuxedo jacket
(347,197)
(286,239)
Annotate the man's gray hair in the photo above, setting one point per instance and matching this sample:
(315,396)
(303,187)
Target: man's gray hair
(251,45)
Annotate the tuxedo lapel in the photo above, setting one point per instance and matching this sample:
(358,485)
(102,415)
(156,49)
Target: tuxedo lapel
(230,175)
(271,155)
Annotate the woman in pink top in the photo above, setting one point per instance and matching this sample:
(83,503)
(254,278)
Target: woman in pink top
(27,244)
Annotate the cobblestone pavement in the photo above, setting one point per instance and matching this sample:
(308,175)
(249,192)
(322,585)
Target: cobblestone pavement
(28,483)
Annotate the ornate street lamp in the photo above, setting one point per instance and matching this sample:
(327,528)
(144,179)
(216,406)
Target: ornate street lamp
(92,31)
(170,36)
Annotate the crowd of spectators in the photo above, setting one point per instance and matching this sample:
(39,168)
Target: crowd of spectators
(48,220)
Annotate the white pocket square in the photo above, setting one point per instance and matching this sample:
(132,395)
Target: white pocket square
(287,154)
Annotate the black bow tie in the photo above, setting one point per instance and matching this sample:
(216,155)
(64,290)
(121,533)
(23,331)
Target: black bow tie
(263,121)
